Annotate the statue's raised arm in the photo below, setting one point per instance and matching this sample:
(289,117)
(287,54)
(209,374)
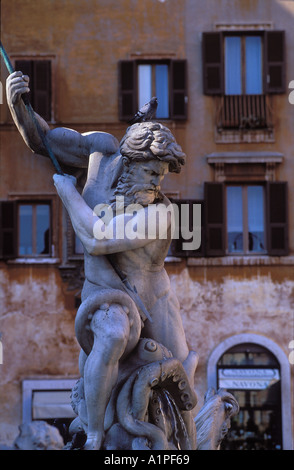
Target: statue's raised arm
(69,146)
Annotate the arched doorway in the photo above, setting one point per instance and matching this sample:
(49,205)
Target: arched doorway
(257,372)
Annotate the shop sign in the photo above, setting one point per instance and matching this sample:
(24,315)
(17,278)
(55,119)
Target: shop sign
(247,379)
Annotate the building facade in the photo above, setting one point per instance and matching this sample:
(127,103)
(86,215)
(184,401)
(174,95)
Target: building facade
(222,72)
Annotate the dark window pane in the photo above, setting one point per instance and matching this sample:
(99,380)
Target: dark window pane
(42,74)
(235,219)
(43,228)
(25,229)
(256,235)
(248,354)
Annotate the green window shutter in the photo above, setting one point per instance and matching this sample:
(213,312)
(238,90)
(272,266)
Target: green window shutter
(215,219)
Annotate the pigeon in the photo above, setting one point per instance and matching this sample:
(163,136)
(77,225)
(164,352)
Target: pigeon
(146,113)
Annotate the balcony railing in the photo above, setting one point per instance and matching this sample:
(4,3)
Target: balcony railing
(243,112)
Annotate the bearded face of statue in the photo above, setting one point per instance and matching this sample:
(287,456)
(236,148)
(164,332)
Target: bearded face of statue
(140,182)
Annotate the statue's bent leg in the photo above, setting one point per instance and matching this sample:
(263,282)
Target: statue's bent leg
(111,329)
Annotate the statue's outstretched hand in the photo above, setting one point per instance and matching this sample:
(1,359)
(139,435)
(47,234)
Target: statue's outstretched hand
(64,184)
(16,85)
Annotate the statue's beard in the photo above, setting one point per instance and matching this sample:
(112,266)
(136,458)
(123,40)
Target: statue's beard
(128,192)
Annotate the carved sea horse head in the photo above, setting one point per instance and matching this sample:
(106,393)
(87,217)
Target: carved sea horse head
(214,419)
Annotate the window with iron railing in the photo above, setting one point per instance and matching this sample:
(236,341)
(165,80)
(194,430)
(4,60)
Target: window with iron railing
(243,112)
(242,69)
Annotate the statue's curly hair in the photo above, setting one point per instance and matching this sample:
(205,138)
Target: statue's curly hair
(151,140)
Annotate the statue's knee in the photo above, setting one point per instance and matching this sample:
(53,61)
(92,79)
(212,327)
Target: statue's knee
(110,326)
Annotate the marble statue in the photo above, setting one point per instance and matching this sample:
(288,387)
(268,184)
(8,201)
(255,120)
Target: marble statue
(136,389)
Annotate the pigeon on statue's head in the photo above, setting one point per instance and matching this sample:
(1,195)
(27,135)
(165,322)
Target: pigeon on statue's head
(146,113)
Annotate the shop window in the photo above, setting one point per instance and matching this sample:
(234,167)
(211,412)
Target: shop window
(252,374)
(50,401)
(140,80)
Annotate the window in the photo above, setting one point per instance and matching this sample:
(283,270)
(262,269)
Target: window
(25,229)
(245,219)
(243,63)
(252,374)
(236,219)
(40,95)
(243,69)
(140,80)
(34,229)
(153,81)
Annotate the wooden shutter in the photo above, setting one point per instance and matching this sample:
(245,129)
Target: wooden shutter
(39,72)
(42,88)
(277,218)
(213,67)
(178,89)
(214,219)
(177,248)
(8,229)
(274,62)
(127,89)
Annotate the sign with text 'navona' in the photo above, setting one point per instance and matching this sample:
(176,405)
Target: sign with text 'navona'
(247,379)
